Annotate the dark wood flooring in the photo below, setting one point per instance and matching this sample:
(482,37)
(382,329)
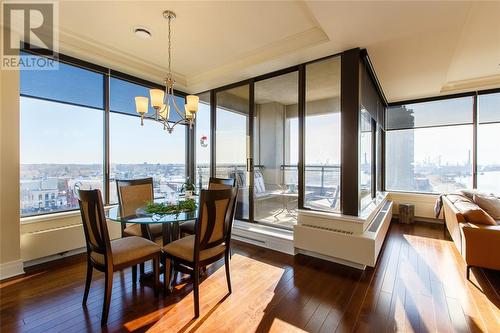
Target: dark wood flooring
(418,285)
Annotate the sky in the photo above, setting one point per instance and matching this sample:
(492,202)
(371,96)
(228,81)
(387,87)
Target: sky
(60,133)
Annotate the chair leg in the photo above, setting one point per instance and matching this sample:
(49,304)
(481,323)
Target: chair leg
(167,274)
(156,273)
(88,280)
(142,269)
(107,296)
(196,294)
(228,273)
(134,274)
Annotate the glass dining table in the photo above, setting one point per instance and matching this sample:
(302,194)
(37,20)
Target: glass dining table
(170,222)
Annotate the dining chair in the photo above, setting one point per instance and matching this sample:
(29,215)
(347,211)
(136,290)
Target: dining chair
(211,241)
(187,228)
(111,256)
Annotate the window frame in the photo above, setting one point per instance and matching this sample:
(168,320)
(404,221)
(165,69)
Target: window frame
(107,74)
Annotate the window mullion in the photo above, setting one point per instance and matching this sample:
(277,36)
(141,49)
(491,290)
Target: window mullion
(106,139)
(474,141)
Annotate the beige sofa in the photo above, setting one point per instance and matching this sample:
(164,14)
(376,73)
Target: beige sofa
(478,243)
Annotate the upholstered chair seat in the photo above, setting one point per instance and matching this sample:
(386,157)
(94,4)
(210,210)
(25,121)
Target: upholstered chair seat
(184,249)
(128,249)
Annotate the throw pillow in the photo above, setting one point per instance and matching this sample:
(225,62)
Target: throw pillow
(473,213)
(489,203)
(468,193)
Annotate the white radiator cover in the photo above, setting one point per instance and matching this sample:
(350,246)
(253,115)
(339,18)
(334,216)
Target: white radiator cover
(49,242)
(329,241)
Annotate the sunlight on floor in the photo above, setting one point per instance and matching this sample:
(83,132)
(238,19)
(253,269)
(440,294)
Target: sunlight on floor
(217,308)
(282,326)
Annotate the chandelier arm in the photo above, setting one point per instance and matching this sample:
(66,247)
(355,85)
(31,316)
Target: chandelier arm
(176,108)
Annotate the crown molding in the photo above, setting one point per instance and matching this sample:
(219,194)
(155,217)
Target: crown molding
(72,43)
(485,82)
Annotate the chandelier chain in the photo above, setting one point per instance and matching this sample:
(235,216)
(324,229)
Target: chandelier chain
(169,48)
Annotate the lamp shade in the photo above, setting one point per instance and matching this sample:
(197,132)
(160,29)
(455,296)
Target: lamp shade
(156,97)
(190,115)
(192,103)
(141,104)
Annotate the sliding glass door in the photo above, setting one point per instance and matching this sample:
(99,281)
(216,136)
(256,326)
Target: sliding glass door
(232,137)
(275,141)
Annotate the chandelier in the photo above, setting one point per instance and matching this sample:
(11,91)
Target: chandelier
(162,100)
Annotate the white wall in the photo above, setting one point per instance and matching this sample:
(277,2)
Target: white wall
(424,204)
(10,255)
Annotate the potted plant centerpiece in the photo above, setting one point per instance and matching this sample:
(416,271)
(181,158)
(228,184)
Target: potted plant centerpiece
(188,188)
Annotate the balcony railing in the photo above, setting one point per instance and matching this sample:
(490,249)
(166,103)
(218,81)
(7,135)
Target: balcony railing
(320,179)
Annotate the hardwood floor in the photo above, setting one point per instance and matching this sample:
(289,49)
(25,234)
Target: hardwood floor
(418,285)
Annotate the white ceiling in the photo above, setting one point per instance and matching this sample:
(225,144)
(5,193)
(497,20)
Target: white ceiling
(418,48)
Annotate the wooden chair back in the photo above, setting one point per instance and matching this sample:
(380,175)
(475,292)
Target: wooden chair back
(133,194)
(94,224)
(221,183)
(215,218)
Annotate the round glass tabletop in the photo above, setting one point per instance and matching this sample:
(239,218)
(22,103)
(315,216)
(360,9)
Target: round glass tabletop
(114,215)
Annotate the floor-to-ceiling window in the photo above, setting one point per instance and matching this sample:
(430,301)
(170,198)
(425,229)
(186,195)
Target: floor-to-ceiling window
(365,159)
(429,146)
(322,135)
(488,139)
(275,142)
(61,137)
(232,142)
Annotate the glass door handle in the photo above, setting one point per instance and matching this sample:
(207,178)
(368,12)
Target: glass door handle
(249,164)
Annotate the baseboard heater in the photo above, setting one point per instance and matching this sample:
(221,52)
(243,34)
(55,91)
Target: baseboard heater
(355,249)
(36,246)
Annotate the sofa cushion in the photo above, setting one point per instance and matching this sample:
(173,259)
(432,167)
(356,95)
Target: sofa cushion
(473,213)
(469,193)
(489,203)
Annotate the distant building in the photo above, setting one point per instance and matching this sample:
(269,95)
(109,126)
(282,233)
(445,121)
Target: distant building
(400,174)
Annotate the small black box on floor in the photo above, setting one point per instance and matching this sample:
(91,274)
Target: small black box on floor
(406,213)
